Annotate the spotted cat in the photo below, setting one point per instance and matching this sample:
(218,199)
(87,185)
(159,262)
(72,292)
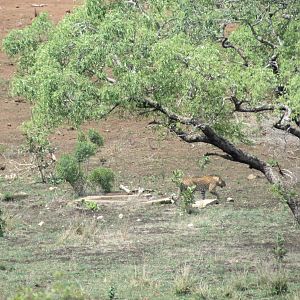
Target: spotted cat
(203,184)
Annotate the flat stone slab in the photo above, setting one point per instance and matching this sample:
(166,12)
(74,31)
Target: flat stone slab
(122,199)
(205,203)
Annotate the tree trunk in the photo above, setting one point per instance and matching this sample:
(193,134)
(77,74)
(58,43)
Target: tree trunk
(211,137)
(253,162)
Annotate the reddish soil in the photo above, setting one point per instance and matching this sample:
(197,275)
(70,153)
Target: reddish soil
(18,14)
(133,149)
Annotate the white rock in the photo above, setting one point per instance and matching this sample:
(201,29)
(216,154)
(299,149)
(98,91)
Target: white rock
(139,220)
(100,218)
(251,177)
(41,223)
(229,199)
(204,203)
(190,225)
(52,188)
(121,216)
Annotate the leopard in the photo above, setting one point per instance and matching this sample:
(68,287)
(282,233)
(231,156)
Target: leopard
(203,184)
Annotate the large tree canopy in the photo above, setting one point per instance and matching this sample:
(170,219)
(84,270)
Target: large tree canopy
(175,58)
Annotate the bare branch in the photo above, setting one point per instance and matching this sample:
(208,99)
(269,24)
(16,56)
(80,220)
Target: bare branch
(224,156)
(288,128)
(171,115)
(188,137)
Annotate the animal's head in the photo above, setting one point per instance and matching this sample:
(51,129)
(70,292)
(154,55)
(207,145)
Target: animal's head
(220,181)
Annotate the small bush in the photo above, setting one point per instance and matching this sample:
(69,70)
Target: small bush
(112,293)
(95,137)
(2,224)
(81,137)
(68,169)
(187,199)
(7,196)
(279,285)
(90,205)
(184,283)
(84,150)
(279,251)
(103,177)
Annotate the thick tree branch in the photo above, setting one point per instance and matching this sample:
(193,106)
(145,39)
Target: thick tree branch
(227,44)
(188,137)
(283,124)
(230,149)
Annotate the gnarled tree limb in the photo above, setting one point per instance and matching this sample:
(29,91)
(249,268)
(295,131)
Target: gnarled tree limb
(230,149)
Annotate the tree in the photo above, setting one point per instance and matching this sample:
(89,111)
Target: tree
(172,58)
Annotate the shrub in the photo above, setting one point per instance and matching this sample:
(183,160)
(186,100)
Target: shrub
(2,224)
(84,150)
(95,137)
(103,177)
(7,196)
(184,282)
(279,251)
(69,170)
(187,199)
(279,285)
(90,205)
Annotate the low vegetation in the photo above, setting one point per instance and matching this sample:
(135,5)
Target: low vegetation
(72,168)
(55,249)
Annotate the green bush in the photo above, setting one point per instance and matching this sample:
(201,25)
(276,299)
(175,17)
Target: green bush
(103,177)
(84,150)
(7,196)
(95,137)
(187,199)
(68,169)
(2,224)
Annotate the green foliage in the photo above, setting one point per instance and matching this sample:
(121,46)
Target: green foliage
(186,195)
(112,293)
(177,176)
(28,39)
(168,51)
(91,205)
(103,177)
(84,150)
(7,196)
(68,168)
(203,162)
(279,251)
(273,162)
(279,285)
(187,199)
(283,193)
(2,224)
(41,150)
(95,137)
